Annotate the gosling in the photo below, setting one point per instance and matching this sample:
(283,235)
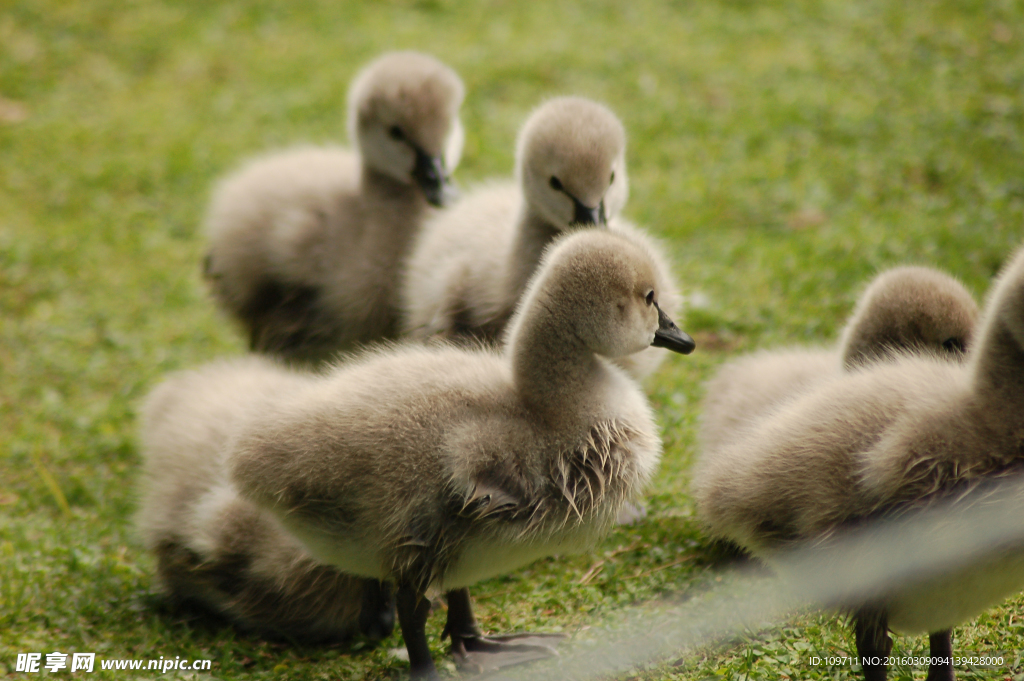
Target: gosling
(471,263)
(441,466)
(904,309)
(306,243)
(220,551)
(866,443)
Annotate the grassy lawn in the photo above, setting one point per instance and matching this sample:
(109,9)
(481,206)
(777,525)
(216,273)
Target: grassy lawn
(785,151)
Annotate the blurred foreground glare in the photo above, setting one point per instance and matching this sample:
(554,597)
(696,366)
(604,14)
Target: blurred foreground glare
(961,531)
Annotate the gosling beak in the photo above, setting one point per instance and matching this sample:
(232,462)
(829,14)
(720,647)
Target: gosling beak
(588,216)
(430,176)
(671,336)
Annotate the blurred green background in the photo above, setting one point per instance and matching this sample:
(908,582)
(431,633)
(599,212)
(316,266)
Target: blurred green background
(785,151)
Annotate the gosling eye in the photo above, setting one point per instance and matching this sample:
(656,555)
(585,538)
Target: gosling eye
(556,184)
(649,298)
(953,345)
(396,133)
(612,179)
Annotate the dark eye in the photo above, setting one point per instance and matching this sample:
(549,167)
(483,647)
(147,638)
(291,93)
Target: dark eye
(649,298)
(953,345)
(396,133)
(612,178)
(556,184)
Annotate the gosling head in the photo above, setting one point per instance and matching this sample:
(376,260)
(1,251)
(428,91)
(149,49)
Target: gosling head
(404,117)
(910,308)
(571,162)
(605,284)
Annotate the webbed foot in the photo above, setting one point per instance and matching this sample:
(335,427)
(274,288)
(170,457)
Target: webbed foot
(478,653)
(487,653)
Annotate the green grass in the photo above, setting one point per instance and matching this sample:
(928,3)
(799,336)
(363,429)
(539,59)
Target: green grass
(786,151)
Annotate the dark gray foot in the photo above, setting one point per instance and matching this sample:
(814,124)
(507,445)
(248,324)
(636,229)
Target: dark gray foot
(940,647)
(478,653)
(377,614)
(871,630)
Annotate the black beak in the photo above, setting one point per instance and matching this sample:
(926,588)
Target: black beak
(671,336)
(588,216)
(430,176)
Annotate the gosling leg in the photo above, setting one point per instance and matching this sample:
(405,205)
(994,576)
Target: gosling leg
(377,614)
(871,631)
(476,652)
(413,608)
(940,645)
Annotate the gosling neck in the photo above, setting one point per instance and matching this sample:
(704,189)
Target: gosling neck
(998,368)
(997,365)
(555,375)
(394,211)
(533,234)
(402,202)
